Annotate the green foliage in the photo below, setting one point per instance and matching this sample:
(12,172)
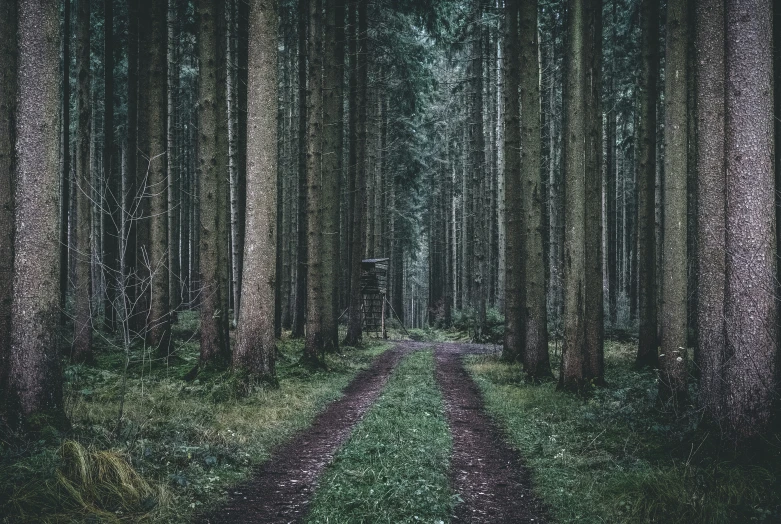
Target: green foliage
(394,467)
(615,457)
(181,443)
(465,325)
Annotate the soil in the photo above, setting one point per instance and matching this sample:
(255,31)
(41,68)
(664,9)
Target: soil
(485,471)
(282,488)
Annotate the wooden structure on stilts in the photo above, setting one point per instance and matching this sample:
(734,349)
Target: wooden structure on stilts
(374,287)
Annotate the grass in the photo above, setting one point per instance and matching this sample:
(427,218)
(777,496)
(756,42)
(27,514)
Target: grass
(182,444)
(394,467)
(615,457)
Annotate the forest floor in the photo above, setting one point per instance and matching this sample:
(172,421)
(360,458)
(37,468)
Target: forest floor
(487,482)
(398,431)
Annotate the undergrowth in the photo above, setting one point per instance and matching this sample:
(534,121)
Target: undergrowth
(394,467)
(181,444)
(616,457)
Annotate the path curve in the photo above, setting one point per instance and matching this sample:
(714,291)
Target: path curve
(281,489)
(484,470)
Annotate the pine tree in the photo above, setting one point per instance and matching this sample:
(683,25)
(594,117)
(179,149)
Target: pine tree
(751,312)
(514,273)
(648,346)
(255,351)
(536,361)
(213,297)
(672,359)
(82,329)
(36,371)
(8,12)
(572,372)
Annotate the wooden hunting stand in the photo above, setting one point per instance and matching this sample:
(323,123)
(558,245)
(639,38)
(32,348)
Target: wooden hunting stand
(374,287)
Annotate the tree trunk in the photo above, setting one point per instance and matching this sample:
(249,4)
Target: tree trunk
(8,85)
(172,155)
(750,308)
(611,174)
(131,201)
(316,291)
(255,344)
(361,72)
(81,348)
(594,364)
(536,361)
(514,337)
(214,345)
(65,189)
(299,319)
(111,175)
(331,168)
(571,374)
(36,370)
(159,321)
(648,345)
(676,149)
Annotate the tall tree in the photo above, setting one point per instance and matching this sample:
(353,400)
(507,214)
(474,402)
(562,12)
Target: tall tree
(750,312)
(359,68)
(648,350)
(611,171)
(159,321)
(255,343)
(571,374)
(172,154)
(214,304)
(514,270)
(478,171)
(65,189)
(112,214)
(594,365)
(8,12)
(676,171)
(131,202)
(36,371)
(316,290)
(82,322)
(711,203)
(299,318)
(333,134)
(536,361)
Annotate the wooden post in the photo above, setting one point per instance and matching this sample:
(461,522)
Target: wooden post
(382,318)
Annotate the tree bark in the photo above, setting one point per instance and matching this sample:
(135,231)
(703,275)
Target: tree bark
(594,363)
(36,371)
(299,318)
(672,359)
(81,349)
(361,72)
(65,189)
(316,291)
(648,344)
(255,343)
(536,361)
(572,370)
(159,322)
(332,168)
(111,175)
(750,313)
(172,155)
(214,345)
(514,337)
(8,85)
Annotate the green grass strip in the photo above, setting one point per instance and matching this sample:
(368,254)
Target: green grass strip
(187,442)
(394,468)
(615,458)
